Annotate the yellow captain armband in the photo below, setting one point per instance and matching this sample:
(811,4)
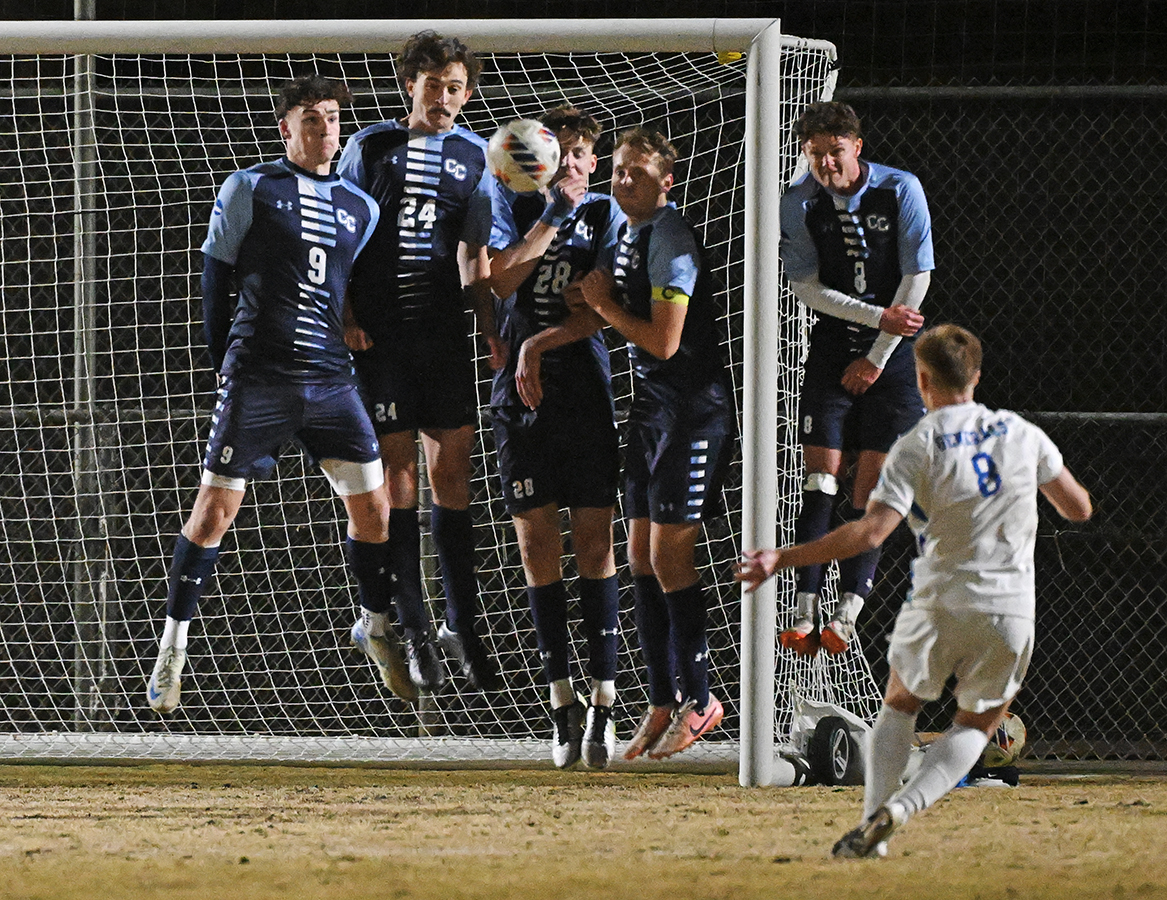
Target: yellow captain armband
(670,295)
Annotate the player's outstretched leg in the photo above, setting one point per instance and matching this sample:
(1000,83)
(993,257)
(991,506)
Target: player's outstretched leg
(191,568)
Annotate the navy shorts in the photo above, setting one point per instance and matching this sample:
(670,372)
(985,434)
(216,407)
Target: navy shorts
(253,420)
(569,457)
(830,416)
(419,381)
(672,475)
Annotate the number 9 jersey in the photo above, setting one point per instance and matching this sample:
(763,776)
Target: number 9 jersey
(291,237)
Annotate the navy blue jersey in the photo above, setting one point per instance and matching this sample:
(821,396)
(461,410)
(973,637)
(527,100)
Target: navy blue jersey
(434,191)
(861,245)
(292,237)
(655,261)
(579,368)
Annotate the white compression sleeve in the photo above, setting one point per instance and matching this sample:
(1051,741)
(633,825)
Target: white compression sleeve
(946,762)
(910,293)
(830,302)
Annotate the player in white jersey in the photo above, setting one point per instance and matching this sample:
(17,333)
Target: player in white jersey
(966,478)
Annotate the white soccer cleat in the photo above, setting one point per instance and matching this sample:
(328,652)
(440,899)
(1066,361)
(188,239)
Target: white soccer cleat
(599,737)
(567,731)
(165,685)
(385,652)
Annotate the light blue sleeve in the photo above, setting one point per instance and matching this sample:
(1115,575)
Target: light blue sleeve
(616,222)
(673,260)
(231,218)
(800,257)
(374,218)
(503,230)
(480,212)
(915,238)
(352,163)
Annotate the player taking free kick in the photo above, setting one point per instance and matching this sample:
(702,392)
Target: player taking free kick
(966,478)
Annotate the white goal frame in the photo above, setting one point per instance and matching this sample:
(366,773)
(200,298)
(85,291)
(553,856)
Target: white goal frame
(762,41)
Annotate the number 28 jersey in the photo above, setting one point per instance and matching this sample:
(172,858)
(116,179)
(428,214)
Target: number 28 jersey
(966,478)
(292,237)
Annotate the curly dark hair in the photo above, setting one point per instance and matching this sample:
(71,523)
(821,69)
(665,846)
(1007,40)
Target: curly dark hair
(311,89)
(428,51)
(829,117)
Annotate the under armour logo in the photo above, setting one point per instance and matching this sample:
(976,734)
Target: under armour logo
(190,580)
(284,204)
(611,632)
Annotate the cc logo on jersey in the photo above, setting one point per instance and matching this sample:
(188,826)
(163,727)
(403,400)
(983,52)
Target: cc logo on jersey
(456,169)
(877,222)
(347,219)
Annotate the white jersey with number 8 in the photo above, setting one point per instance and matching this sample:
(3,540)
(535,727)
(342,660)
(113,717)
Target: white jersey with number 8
(966,478)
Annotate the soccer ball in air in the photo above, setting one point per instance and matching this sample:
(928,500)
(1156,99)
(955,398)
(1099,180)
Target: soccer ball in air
(1006,744)
(523,155)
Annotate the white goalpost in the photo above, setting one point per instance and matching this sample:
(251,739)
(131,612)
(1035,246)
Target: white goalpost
(123,132)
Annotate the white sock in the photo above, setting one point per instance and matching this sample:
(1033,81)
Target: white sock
(946,762)
(888,747)
(848,608)
(561,693)
(174,634)
(807,605)
(374,622)
(603,693)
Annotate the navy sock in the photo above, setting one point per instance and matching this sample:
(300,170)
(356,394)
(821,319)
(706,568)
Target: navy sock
(369,564)
(687,632)
(814,520)
(857,573)
(652,627)
(599,600)
(191,568)
(549,610)
(454,540)
(404,549)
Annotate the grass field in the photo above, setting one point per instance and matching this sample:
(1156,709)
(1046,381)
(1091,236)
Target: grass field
(208,831)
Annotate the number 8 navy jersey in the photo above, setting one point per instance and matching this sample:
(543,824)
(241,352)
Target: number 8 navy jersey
(292,237)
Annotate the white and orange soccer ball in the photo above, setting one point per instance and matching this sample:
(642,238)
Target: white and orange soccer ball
(1006,744)
(523,155)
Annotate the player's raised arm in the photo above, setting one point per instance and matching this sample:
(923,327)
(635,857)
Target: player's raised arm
(1068,497)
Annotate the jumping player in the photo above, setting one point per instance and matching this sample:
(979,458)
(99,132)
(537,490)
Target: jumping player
(554,427)
(966,478)
(857,249)
(285,235)
(659,297)
(408,324)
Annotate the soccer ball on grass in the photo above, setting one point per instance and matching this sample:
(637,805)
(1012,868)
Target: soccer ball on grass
(1006,744)
(523,155)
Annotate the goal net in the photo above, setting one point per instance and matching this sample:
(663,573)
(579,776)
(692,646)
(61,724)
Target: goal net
(109,174)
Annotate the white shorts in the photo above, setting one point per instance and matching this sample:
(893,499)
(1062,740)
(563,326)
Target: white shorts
(987,652)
